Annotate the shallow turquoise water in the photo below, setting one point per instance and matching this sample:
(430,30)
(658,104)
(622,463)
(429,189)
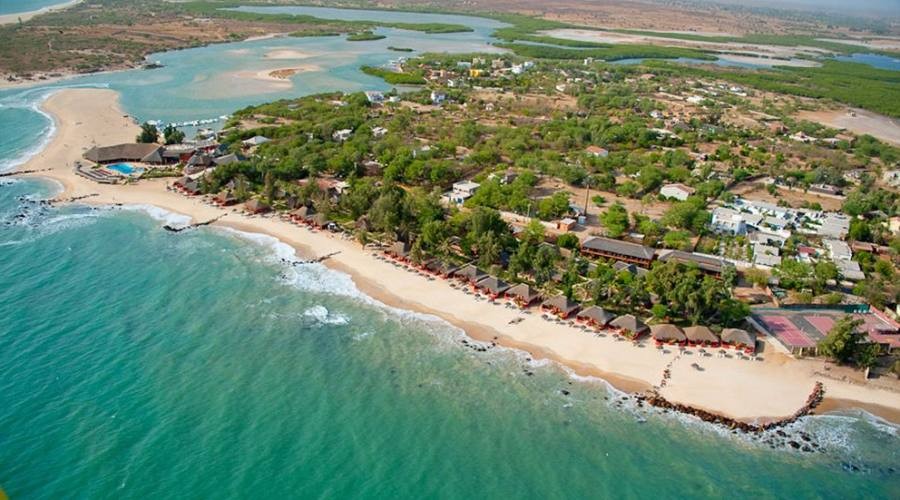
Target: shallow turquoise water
(874,60)
(15,6)
(138,362)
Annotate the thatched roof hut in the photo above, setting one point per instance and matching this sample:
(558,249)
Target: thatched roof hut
(470,273)
(561,305)
(399,249)
(191,186)
(667,333)
(629,323)
(700,334)
(596,315)
(255,206)
(523,293)
(440,267)
(493,285)
(319,220)
(226,198)
(740,337)
(300,213)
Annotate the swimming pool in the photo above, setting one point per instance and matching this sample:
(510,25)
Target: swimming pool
(125,168)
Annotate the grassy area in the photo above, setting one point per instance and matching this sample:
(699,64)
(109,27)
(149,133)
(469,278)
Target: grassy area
(609,53)
(394,77)
(220,9)
(364,36)
(854,84)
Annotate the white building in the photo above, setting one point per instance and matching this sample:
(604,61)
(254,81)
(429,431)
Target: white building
(379,132)
(728,221)
(342,135)
(255,141)
(438,98)
(678,191)
(374,96)
(462,191)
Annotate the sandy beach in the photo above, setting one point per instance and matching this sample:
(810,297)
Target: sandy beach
(746,390)
(24,16)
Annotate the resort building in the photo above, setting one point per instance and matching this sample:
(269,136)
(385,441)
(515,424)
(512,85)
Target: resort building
(618,250)
(138,152)
(596,151)
(708,264)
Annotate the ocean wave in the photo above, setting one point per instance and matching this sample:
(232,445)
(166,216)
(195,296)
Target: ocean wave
(157,213)
(323,316)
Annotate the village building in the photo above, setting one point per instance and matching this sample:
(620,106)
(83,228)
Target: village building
(677,191)
(462,191)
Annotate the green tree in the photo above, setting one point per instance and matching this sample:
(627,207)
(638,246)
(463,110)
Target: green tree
(843,341)
(172,135)
(149,134)
(615,220)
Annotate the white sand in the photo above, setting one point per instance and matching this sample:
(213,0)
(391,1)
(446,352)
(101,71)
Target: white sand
(288,54)
(864,122)
(24,16)
(743,389)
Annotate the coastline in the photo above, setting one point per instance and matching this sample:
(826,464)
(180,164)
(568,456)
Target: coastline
(744,390)
(24,16)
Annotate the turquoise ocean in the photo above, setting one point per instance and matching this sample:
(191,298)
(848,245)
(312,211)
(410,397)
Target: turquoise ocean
(137,362)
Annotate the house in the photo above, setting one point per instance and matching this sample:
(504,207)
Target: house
(766,255)
(462,191)
(728,221)
(827,189)
(374,96)
(566,224)
(677,191)
(505,177)
(838,250)
(596,151)
(618,250)
(342,135)
(475,72)
(379,132)
(834,225)
(227,159)
(438,98)
(255,141)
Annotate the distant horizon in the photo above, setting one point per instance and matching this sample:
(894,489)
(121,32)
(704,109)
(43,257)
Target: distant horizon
(860,8)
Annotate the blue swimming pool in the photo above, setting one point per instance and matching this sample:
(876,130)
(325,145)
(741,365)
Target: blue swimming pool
(125,168)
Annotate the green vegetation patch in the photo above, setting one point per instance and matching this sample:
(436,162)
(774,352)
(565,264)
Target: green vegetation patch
(609,53)
(364,36)
(395,77)
(855,84)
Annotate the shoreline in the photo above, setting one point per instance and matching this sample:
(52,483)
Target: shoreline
(751,392)
(24,16)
